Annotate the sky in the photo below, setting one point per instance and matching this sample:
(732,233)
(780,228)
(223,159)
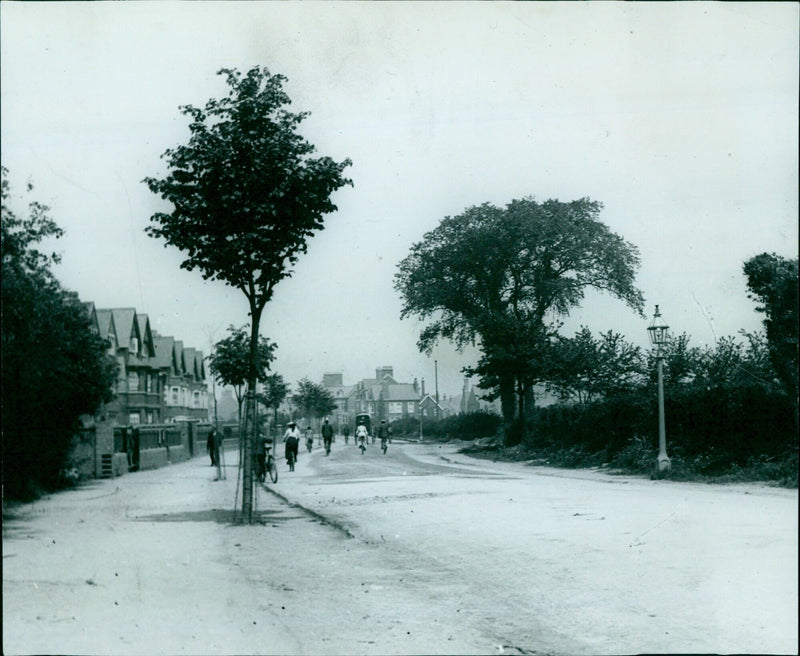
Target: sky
(681,118)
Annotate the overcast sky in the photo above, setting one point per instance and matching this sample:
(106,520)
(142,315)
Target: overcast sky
(681,118)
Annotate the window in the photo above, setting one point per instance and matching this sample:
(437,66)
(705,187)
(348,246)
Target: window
(175,392)
(133,381)
(195,399)
(133,419)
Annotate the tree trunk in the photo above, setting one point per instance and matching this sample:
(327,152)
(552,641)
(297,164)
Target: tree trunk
(249,436)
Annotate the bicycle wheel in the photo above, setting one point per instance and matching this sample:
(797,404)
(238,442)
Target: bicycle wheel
(272,470)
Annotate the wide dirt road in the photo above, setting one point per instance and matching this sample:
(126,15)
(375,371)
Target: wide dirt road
(548,560)
(422,550)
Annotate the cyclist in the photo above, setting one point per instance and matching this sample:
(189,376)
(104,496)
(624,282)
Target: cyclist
(327,435)
(383,433)
(362,435)
(292,439)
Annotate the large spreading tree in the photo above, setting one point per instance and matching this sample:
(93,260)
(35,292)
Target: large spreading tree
(501,278)
(54,368)
(246,194)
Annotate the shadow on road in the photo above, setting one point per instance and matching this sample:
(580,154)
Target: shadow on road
(219,516)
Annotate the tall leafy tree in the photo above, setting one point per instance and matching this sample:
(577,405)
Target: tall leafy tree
(313,400)
(772,281)
(246,193)
(229,363)
(501,277)
(54,368)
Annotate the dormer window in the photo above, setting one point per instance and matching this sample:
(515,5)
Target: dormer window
(134,345)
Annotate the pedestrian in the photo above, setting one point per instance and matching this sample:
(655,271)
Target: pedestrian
(292,439)
(346,433)
(327,436)
(210,447)
(261,455)
(218,438)
(309,438)
(383,433)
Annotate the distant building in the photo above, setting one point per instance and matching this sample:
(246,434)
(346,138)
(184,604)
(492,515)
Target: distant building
(382,397)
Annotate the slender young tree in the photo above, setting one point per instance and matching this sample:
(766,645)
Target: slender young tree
(229,362)
(246,194)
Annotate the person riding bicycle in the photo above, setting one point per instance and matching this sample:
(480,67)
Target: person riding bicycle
(292,439)
(383,433)
(327,436)
(361,436)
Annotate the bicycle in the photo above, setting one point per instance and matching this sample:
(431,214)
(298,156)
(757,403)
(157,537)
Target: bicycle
(271,467)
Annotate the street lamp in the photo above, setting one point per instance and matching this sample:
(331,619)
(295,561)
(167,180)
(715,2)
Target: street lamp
(657,332)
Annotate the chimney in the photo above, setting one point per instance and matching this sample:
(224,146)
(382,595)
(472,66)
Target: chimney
(423,387)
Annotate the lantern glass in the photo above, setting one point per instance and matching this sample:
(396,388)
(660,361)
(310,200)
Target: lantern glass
(657,330)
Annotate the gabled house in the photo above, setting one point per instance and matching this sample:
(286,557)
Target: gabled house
(384,398)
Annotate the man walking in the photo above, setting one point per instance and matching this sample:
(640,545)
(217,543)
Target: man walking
(327,436)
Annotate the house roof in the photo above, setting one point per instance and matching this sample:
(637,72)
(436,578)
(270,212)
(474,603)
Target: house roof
(125,322)
(396,392)
(200,365)
(164,352)
(105,326)
(189,364)
(143,324)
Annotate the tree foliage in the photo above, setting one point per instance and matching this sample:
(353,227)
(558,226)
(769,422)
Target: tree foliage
(229,363)
(501,277)
(585,369)
(54,368)
(312,399)
(246,194)
(772,282)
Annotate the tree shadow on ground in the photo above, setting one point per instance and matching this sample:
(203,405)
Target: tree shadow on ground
(219,516)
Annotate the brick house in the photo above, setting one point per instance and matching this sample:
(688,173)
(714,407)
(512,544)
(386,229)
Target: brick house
(158,380)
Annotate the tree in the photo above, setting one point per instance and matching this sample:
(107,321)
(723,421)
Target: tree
(772,281)
(54,368)
(313,400)
(585,369)
(230,361)
(246,195)
(501,276)
(275,391)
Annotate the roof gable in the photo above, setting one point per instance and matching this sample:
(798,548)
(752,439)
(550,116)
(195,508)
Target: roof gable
(106,327)
(127,327)
(164,352)
(143,324)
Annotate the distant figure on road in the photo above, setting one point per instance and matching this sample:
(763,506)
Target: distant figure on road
(309,438)
(346,433)
(292,439)
(361,436)
(384,433)
(327,436)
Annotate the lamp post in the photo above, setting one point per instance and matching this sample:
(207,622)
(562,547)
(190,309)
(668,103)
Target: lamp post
(657,332)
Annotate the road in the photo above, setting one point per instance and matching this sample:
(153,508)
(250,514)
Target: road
(572,561)
(423,550)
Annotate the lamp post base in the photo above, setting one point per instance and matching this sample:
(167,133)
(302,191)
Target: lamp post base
(663,464)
